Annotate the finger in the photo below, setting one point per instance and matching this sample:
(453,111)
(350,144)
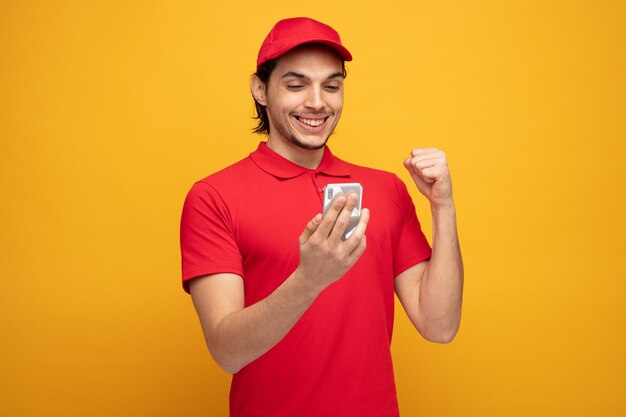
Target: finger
(358,251)
(431,167)
(437,155)
(310,228)
(328,221)
(343,219)
(427,176)
(408,165)
(416,168)
(416,175)
(359,231)
(426,162)
(436,172)
(422,151)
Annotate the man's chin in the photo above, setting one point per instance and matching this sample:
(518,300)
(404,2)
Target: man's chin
(308,146)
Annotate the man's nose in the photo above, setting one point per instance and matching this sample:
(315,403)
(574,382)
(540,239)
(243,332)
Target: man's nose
(314,99)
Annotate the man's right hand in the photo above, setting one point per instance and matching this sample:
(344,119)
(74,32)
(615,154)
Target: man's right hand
(324,256)
(237,335)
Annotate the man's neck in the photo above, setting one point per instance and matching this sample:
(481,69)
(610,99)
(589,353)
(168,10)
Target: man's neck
(306,158)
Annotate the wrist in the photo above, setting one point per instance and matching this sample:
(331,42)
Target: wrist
(444,220)
(444,208)
(304,285)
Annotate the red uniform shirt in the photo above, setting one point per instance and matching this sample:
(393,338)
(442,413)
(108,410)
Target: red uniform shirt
(336,361)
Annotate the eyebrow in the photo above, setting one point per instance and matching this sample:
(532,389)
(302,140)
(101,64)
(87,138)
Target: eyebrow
(302,76)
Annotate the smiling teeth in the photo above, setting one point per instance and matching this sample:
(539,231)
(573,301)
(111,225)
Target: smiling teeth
(312,123)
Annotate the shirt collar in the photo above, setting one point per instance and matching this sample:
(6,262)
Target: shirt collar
(280,167)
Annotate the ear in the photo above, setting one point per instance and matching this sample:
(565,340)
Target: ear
(258,90)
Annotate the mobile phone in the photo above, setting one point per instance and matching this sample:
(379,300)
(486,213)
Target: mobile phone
(332,191)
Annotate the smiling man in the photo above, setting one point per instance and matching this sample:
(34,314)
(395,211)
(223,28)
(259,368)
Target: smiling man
(301,317)
(303,97)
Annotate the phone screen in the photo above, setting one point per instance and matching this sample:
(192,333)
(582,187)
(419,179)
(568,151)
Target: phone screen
(332,191)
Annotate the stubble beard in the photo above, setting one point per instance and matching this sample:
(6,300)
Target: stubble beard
(297,142)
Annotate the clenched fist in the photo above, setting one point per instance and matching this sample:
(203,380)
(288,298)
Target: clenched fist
(429,169)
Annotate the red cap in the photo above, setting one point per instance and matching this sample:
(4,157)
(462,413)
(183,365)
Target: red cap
(289,33)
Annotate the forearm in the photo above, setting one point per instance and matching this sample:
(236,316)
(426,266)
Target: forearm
(441,289)
(244,335)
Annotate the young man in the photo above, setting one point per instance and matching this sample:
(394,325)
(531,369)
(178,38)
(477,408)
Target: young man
(300,316)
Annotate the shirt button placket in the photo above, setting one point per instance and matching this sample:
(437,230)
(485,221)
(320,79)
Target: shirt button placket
(318,186)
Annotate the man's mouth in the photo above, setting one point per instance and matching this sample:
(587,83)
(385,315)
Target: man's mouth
(316,122)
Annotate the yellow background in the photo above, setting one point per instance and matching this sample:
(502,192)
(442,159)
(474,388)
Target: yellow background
(110,110)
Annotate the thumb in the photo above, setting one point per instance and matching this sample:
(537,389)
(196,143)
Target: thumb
(310,228)
(421,183)
(409,166)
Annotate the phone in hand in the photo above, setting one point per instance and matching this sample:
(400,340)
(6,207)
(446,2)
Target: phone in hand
(332,191)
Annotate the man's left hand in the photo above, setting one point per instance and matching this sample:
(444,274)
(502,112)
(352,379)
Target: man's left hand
(429,169)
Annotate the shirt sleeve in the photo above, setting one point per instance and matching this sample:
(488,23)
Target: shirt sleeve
(412,246)
(207,239)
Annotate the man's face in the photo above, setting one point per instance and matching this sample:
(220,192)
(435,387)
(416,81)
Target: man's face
(305,96)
